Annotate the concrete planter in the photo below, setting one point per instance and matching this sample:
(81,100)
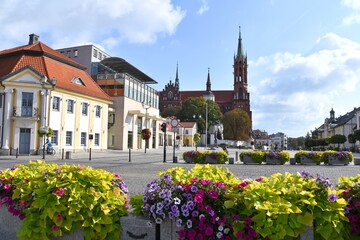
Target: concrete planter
(209,159)
(136,227)
(307,161)
(307,235)
(248,160)
(187,160)
(336,161)
(10,224)
(356,161)
(273,161)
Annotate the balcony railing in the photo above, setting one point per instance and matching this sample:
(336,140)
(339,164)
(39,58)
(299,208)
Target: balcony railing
(26,112)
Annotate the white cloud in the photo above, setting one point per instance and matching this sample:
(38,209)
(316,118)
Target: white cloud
(295,91)
(69,22)
(204,7)
(354,17)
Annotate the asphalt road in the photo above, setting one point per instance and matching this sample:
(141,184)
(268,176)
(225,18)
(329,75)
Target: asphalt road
(138,170)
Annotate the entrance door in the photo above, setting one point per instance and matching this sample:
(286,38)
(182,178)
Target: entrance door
(24,142)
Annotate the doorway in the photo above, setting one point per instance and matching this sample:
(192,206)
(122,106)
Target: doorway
(24,141)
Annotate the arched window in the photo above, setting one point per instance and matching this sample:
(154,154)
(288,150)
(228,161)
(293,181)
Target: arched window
(170,95)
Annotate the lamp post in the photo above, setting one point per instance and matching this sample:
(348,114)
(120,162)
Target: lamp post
(199,116)
(206,126)
(208,96)
(46,86)
(146,106)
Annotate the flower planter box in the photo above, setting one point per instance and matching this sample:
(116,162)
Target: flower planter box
(336,161)
(187,160)
(273,161)
(136,227)
(248,160)
(209,159)
(10,224)
(307,161)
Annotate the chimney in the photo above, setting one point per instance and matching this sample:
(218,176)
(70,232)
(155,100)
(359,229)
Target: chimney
(33,38)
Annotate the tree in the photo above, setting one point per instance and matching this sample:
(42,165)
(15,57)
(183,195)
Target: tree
(357,135)
(352,140)
(196,139)
(236,125)
(338,139)
(197,106)
(169,112)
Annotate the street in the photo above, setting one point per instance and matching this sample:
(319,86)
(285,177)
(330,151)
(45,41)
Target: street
(143,167)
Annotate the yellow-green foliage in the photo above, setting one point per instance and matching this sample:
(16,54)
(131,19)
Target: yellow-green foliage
(200,156)
(62,198)
(316,156)
(283,204)
(210,172)
(257,156)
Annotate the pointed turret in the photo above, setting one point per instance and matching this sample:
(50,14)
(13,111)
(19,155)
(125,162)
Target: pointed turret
(177,84)
(240,50)
(208,82)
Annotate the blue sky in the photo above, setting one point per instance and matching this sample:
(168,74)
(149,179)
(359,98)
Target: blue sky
(303,56)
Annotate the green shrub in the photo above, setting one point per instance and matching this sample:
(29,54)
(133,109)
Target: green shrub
(200,156)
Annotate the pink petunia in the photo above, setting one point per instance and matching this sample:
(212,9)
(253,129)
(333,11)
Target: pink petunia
(209,231)
(55,228)
(7,186)
(59,216)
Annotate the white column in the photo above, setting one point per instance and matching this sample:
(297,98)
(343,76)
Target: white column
(7,117)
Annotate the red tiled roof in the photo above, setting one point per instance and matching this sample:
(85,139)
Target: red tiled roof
(187,124)
(51,64)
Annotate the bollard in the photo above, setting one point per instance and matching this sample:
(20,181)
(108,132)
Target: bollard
(17,152)
(157,232)
(90,155)
(62,154)
(129,154)
(175,159)
(236,156)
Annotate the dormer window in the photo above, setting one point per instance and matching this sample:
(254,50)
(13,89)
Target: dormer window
(78,81)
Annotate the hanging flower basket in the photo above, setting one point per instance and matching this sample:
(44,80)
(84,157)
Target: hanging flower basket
(145,134)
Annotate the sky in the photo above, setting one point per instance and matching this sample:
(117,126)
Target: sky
(303,56)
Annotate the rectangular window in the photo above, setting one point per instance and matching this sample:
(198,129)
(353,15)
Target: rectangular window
(68,140)
(70,106)
(83,139)
(95,53)
(1,101)
(97,139)
(97,111)
(54,137)
(85,109)
(56,104)
(75,53)
(26,104)
(100,55)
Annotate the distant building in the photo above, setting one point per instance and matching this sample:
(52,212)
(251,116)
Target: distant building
(279,141)
(85,55)
(261,139)
(342,125)
(239,97)
(41,89)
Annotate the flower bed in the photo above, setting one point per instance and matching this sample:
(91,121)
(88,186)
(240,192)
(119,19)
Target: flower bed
(52,200)
(252,157)
(350,187)
(218,157)
(209,202)
(337,158)
(305,157)
(273,157)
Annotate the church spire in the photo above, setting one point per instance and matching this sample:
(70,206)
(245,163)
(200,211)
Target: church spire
(240,50)
(177,84)
(208,82)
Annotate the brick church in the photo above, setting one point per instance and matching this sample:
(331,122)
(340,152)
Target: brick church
(239,97)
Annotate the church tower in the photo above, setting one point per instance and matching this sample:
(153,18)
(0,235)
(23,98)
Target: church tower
(241,96)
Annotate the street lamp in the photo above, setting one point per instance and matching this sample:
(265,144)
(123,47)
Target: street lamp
(146,106)
(208,96)
(46,86)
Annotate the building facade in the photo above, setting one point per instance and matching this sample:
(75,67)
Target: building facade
(85,55)
(342,125)
(238,97)
(41,89)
